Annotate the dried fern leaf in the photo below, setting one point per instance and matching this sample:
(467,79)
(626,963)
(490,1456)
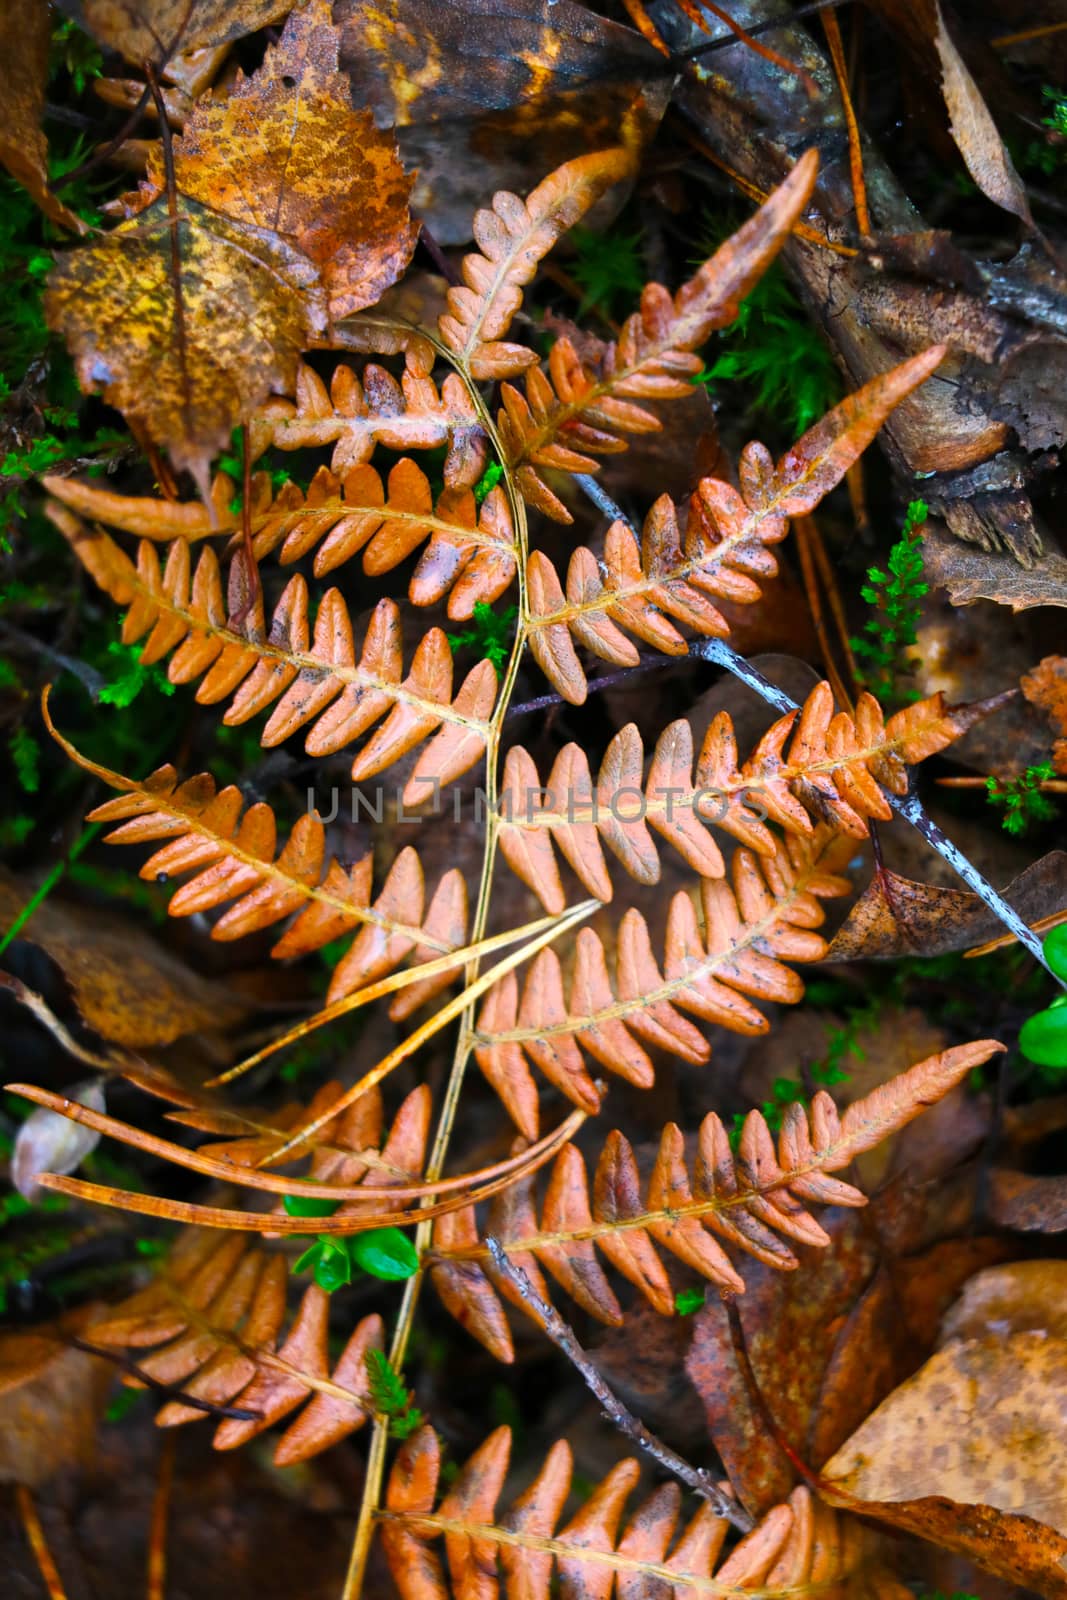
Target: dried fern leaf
(754,1200)
(799,1547)
(231,850)
(212,1321)
(512,237)
(357,413)
(813,761)
(573,413)
(308,676)
(635,588)
(751,926)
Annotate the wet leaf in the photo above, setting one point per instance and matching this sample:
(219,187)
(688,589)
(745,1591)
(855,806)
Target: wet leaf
(975,132)
(970,574)
(970,1454)
(154,30)
(48,1142)
(51,1398)
(897,917)
(1015,1297)
(1028,1204)
(26,31)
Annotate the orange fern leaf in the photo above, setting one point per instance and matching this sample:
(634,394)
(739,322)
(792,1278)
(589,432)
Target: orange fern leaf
(215,1313)
(812,760)
(307,677)
(512,237)
(571,414)
(754,1200)
(750,928)
(635,588)
(794,1546)
(232,852)
(355,414)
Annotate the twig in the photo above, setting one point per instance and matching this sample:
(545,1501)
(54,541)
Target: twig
(84,838)
(93,680)
(170,1390)
(38,1543)
(156,1586)
(48,1019)
(721,1501)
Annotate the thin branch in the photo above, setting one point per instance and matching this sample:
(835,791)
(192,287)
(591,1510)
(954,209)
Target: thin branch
(27,1508)
(156,1585)
(120,1359)
(721,1501)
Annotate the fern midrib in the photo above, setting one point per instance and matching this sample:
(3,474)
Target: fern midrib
(460,531)
(493,1533)
(441,711)
(667,990)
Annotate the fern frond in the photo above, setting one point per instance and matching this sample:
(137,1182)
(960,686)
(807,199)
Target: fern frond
(231,850)
(354,414)
(802,1546)
(755,1200)
(572,414)
(750,928)
(813,760)
(512,237)
(215,1313)
(635,588)
(308,677)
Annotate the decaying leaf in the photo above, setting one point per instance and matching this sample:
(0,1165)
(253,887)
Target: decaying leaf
(154,30)
(1046,687)
(975,132)
(896,917)
(47,1142)
(51,1398)
(1014,1297)
(1029,1204)
(969,1454)
(287,197)
(126,986)
(970,574)
(26,31)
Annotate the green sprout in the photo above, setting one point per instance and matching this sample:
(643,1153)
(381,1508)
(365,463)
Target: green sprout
(391,1397)
(490,635)
(896,598)
(686,1301)
(1043,1037)
(384,1253)
(609,269)
(1021,797)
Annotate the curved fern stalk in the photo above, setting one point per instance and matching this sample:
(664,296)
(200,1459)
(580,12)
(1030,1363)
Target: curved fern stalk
(360,1206)
(306,678)
(212,1320)
(572,414)
(357,413)
(814,760)
(754,1200)
(801,1547)
(232,852)
(752,925)
(512,238)
(636,587)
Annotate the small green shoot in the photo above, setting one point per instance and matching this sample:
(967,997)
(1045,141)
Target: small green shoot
(896,598)
(609,269)
(132,677)
(488,481)
(1021,798)
(686,1301)
(490,636)
(390,1396)
(26,759)
(384,1253)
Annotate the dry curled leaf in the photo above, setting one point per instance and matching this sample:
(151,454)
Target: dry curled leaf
(26,32)
(969,574)
(969,1453)
(285,195)
(154,30)
(975,132)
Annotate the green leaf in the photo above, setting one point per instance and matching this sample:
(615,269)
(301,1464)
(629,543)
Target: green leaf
(298,1205)
(385,1253)
(1043,1038)
(686,1301)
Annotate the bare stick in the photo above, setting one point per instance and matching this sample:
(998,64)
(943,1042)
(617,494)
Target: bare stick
(38,1543)
(721,1501)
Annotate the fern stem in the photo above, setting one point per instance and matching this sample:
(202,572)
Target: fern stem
(910,807)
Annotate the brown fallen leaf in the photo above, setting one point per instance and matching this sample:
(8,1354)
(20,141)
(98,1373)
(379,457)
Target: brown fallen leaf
(1028,1204)
(154,30)
(969,1454)
(970,574)
(896,917)
(51,1398)
(1046,687)
(286,152)
(26,32)
(126,986)
(287,197)
(1015,1297)
(975,132)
